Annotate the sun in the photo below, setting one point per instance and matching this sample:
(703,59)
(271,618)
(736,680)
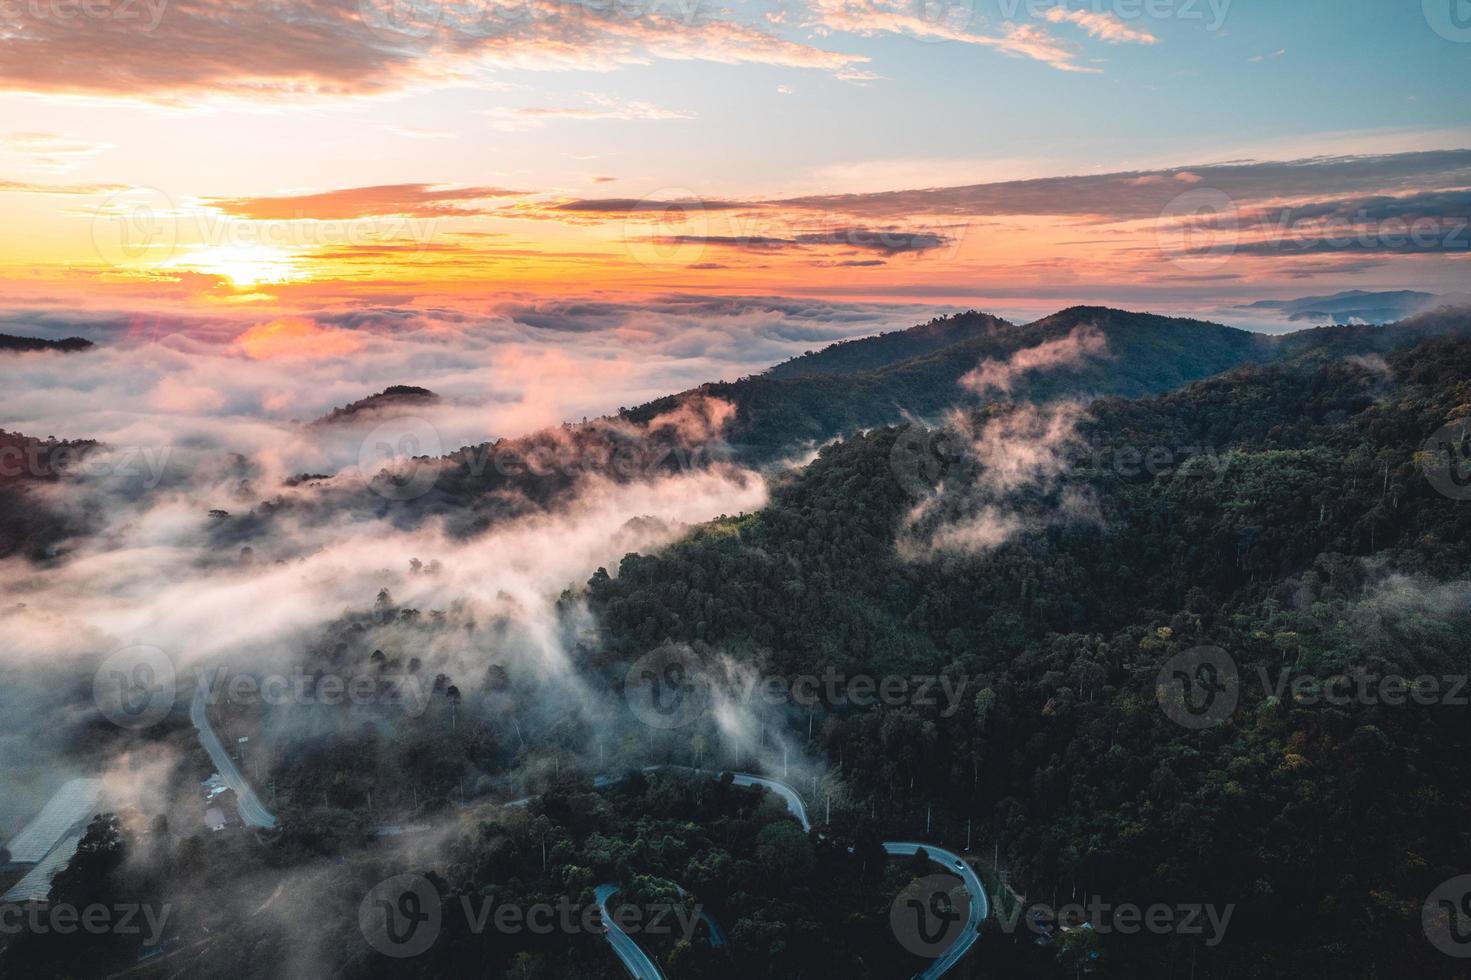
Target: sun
(244,265)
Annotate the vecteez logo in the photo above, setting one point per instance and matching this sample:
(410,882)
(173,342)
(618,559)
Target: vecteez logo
(1451,19)
(136,226)
(399,460)
(1445,459)
(930,914)
(667,687)
(921,457)
(1446,917)
(135,687)
(402,916)
(1199,230)
(1199,688)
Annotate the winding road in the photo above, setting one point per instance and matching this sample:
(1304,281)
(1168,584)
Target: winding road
(252,811)
(979,906)
(635,960)
(953,863)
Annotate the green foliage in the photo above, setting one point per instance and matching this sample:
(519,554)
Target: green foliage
(1313,545)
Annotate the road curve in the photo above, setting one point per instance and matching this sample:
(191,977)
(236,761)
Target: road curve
(953,863)
(252,811)
(979,906)
(635,960)
(794,801)
(950,861)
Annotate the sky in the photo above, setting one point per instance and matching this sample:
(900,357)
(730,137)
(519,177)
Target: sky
(244,162)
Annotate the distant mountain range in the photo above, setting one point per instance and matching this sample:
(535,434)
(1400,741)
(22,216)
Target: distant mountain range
(1356,306)
(70,345)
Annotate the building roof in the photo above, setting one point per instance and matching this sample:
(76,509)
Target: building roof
(75,802)
(36,886)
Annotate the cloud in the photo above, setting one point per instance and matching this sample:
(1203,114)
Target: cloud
(600,107)
(888,241)
(1000,376)
(1429,180)
(292,337)
(1008,482)
(1010,460)
(501,370)
(336,49)
(1134,195)
(619,207)
(897,17)
(62,190)
(50,152)
(1104,26)
(406,200)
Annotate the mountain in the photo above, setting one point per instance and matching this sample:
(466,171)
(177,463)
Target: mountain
(1355,306)
(30,522)
(1308,544)
(872,353)
(70,345)
(778,412)
(1321,344)
(393,400)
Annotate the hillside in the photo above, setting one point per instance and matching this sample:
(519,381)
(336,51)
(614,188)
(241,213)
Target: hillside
(1308,541)
(1146,354)
(873,353)
(30,522)
(389,401)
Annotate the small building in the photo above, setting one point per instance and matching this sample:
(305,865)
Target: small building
(74,803)
(35,887)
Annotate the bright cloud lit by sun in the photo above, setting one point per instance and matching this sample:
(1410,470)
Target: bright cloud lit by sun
(244,265)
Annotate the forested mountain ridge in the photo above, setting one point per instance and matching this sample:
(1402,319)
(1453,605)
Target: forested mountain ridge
(67,345)
(868,353)
(1309,543)
(1146,354)
(789,406)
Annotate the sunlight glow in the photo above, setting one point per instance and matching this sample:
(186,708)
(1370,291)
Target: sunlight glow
(244,265)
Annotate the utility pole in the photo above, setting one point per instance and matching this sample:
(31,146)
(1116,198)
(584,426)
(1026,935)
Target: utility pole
(829,810)
(929,814)
(967,835)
